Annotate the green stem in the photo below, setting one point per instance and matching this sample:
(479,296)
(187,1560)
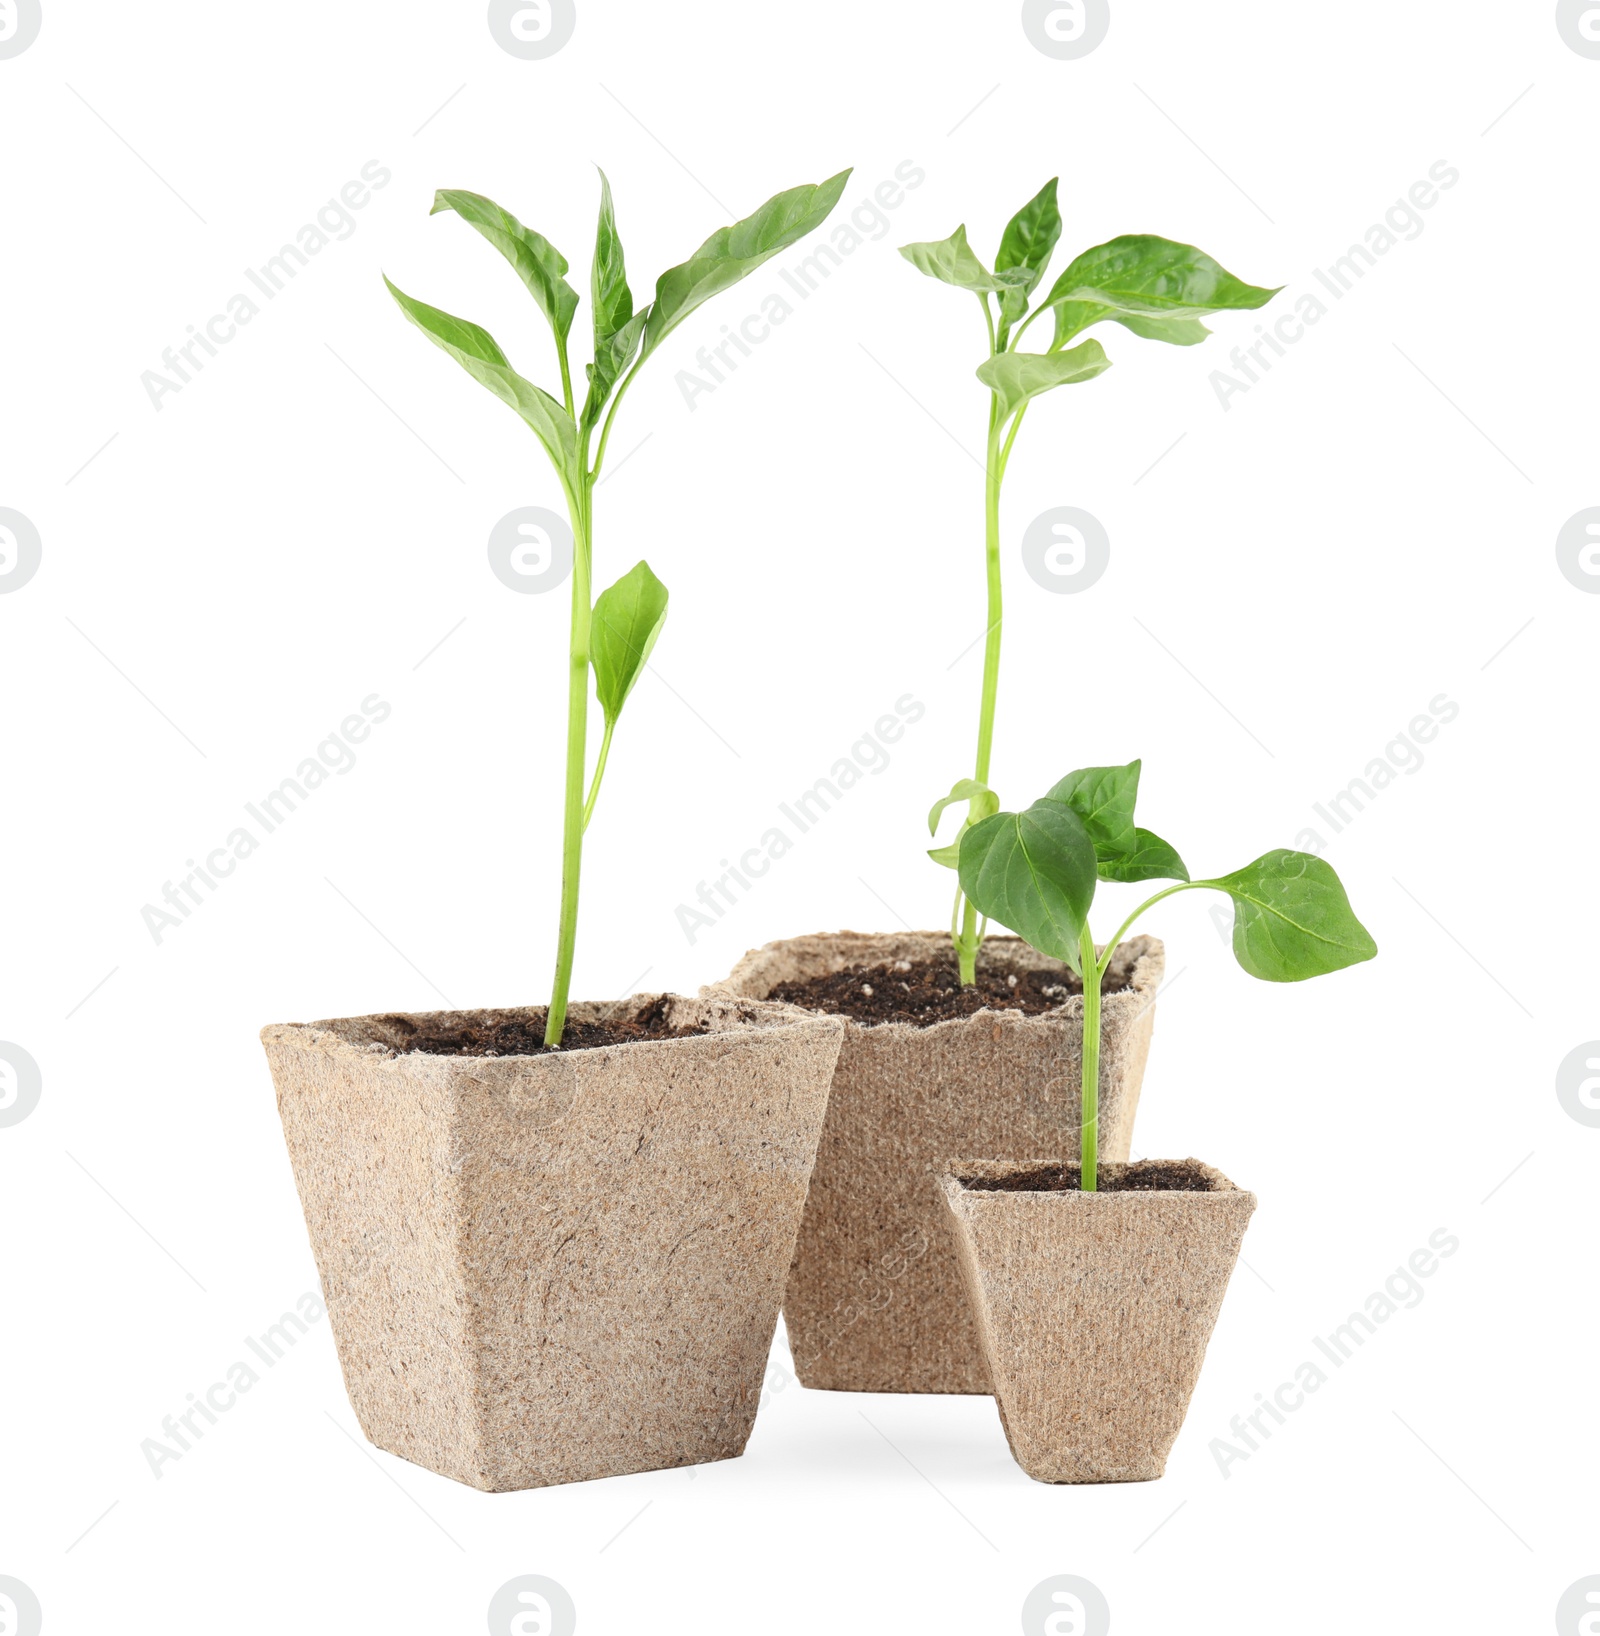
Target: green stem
(991,646)
(599,772)
(611,416)
(967,943)
(1090,1178)
(1122,930)
(566,377)
(1005,453)
(580,501)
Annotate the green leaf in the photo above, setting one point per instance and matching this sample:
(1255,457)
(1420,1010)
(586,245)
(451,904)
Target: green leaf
(611,360)
(733,253)
(1176,332)
(613,300)
(538,263)
(1027,245)
(1149,858)
(1153,278)
(627,620)
(1033,872)
(947,856)
(952,261)
(1018,376)
(1104,798)
(1073,317)
(984,803)
(1292,919)
(477,351)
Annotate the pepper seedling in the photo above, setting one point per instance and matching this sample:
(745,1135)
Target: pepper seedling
(614,634)
(1155,288)
(1036,872)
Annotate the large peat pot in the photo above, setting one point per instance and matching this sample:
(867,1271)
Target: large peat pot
(875,1301)
(546,1266)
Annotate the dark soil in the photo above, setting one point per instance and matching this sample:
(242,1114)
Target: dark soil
(524,1037)
(925,992)
(1142,1176)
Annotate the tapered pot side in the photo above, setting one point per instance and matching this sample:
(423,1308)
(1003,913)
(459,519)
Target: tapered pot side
(1094,1309)
(875,1299)
(542,1269)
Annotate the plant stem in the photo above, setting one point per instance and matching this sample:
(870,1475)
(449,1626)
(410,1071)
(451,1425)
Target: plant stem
(580,502)
(1089,1178)
(991,646)
(967,942)
(599,773)
(1122,930)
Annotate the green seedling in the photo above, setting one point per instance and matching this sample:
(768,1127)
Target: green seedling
(1154,288)
(1036,873)
(614,634)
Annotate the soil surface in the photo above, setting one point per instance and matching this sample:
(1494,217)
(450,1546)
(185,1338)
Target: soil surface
(1142,1176)
(524,1037)
(925,992)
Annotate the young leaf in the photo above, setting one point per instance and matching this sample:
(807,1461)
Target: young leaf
(984,803)
(734,252)
(1034,872)
(1149,858)
(613,300)
(1018,376)
(611,360)
(477,351)
(538,263)
(627,620)
(1292,919)
(1029,242)
(1176,332)
(952,261)
(1154,278)
(1104,798)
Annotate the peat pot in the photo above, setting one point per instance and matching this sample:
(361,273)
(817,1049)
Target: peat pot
(1094,1309)
(543,1267)
(875,1300)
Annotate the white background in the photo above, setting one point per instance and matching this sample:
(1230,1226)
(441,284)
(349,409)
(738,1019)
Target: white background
(303,524)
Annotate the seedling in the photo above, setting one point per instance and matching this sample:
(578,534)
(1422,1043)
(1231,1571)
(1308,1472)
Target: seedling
(1153,287)
(1036,872)
(615,633)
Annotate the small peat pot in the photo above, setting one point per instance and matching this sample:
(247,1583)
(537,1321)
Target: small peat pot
(543,1266)
(875,1300)
(1094,1308)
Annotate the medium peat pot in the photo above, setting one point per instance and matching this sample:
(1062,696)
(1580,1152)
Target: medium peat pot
(875,1300)
(546,1266)
(1094,1308)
